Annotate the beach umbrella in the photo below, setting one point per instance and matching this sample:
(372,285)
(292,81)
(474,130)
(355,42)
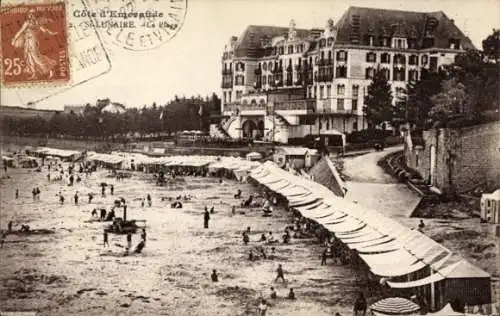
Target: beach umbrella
(395,306)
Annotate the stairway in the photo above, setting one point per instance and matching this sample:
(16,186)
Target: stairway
(280,123)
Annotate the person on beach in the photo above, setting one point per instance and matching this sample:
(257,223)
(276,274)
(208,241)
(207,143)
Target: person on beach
(76,198)
(129,241)
(103,214)
(246,239)
(262,307)
(273,294)
(111,189)
(140,246)
(238,194)
(105,239)
(421,226)
(233,210)
(61,199)
(103,191)
(250,255)
(214,276)
(323,257)
(360,305)
(212,210)
(279,274)
(17,193)
(143,234)
(270,238)
(263,238)
(142,202)
(91,197)
(37,191)
(94,213)
(206,218)
(148,197)
(48,176)
(9,227)
(291,294)
(33,192)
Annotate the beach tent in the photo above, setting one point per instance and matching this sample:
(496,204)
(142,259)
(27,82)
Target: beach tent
(446,311)
(395,306)
(254,156)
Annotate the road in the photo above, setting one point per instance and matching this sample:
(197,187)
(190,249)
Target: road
(370,186)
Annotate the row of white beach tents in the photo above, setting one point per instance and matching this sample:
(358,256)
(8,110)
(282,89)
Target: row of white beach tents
(403,258)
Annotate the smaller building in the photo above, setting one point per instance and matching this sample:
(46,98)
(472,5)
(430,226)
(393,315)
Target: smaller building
(114,107)
(77,109)
(295,157)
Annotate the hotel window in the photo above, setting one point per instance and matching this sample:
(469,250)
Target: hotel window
(413,60)
(369,73)
(384,42)
(322,43)
(327,124)
(328,91)
(225,96)
(330,41)
(314,92)
(354,104)
(355,91)
(386,73)
(368,40)
(399,43)
(321,92)
(269,65)
(238,95)
(269,80)
(412,75)
(371,57)
(385,58)
(398,74)
(425,60)
(341,72)
(308,93)
(329,56)
(322,56)
(264,66)
(300,48)
(281,50)
(264,80)
(290,49)
(399,59)
(341,89)
(342,55)
(355,125)
(340,104)
(229,97)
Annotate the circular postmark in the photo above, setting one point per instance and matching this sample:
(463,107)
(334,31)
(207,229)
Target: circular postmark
(138,24)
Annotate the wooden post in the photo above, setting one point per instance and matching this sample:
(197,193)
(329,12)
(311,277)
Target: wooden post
(433,295)
(124,213)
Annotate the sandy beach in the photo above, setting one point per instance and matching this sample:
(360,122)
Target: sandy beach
(70,272)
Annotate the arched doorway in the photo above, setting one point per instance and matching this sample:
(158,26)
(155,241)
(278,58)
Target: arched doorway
(248,128)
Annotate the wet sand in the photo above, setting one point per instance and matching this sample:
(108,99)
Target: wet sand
(70,272)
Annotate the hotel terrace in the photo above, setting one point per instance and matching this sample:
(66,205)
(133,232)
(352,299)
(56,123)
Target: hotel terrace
(284,83)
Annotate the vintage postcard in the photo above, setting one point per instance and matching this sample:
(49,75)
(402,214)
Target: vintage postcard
(250,157)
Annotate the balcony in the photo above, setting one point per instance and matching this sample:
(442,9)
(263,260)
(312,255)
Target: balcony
(226,72)
(329,106)
(307,106)
(324,62)
(246,109)
(258,71)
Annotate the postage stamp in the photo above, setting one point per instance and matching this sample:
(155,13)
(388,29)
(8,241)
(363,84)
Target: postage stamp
(34,44)
(88,57)
(137,25)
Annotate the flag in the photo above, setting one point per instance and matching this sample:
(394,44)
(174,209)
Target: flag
(200,111)
(161,115)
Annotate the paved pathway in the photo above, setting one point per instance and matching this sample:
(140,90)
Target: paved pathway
(370,186)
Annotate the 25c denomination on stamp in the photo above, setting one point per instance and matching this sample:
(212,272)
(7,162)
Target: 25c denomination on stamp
(34,44)
(137,24)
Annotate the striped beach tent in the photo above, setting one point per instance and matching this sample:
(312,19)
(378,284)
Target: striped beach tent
(394,306)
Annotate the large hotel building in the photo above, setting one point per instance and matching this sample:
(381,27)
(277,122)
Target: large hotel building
(285,83)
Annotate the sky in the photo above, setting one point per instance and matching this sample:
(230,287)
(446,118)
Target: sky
(189,64)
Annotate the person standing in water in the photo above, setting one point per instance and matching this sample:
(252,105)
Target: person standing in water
(206,218)
(148,197)
(112,189)
(76,198)
(105,237)
(17,193)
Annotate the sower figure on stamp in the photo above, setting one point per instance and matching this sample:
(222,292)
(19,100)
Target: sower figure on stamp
(26,38)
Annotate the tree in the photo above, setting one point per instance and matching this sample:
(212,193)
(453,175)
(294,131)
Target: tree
(414,108)
(491,46)
(378,103)
(449,103)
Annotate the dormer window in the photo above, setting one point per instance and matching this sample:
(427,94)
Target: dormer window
(322,43)
(264,66)
(412,43)
(290,49)
(428,42)
(281,50)
(398,42)
(371,57)
(454,43)
(330,41)
(384,42)
(300,48)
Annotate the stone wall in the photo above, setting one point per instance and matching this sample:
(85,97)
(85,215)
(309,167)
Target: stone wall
(464,158)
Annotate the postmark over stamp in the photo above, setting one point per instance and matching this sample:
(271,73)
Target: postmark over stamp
(34,44)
